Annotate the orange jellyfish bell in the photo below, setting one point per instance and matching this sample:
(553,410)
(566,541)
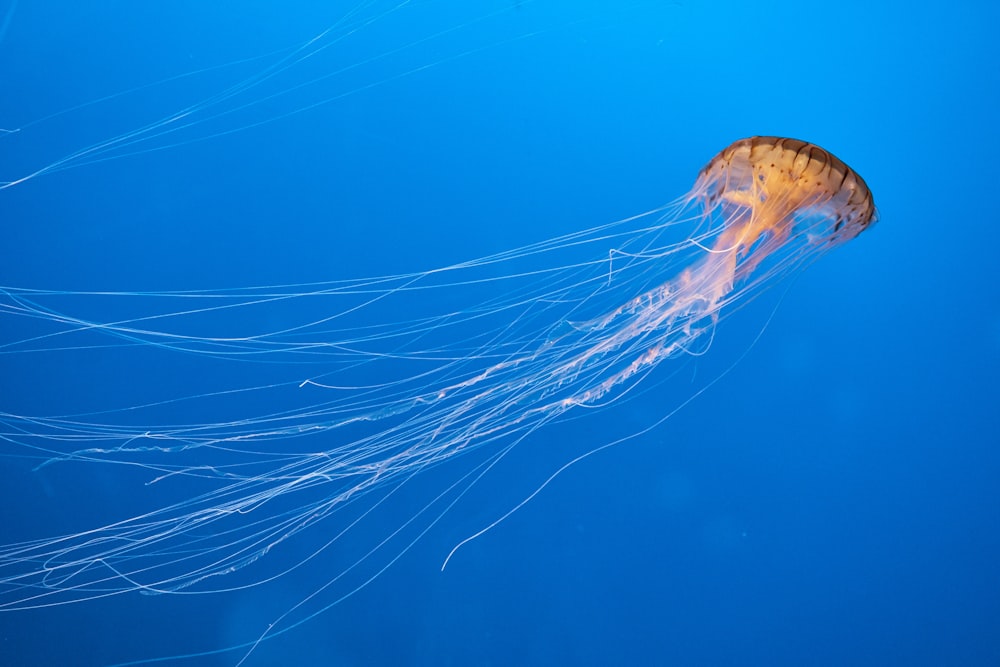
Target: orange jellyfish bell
(772,188)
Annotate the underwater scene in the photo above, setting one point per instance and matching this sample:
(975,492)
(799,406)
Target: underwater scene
(427,332)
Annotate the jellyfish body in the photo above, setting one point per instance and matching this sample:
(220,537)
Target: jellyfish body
(778,181)
(773,199)
(761,208)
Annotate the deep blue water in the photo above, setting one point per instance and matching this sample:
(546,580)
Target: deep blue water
(831,500)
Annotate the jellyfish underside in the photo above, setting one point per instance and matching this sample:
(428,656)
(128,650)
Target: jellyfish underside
(764,206)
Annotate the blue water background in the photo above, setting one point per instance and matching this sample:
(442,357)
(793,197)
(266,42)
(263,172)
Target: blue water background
(832,500)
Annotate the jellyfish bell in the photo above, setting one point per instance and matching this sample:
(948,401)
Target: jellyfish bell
(774,188)
(778,177)
(578,334)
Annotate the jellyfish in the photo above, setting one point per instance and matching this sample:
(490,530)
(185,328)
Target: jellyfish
(544,332)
